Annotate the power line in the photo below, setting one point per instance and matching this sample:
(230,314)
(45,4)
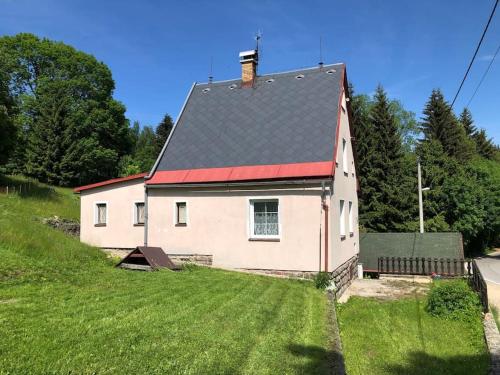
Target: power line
(475,53)
(484,76)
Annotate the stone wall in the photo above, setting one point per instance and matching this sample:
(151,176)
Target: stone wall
(307,275)
(344,275)
(200,259)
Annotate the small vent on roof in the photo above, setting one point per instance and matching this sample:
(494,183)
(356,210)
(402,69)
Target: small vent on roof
(206,90)
(300,76)
(270,80)
(233,86)
(331,71)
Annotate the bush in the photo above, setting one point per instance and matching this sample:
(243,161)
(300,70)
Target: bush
(322,280)
(453,300)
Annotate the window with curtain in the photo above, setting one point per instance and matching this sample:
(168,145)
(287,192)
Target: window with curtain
(181,213)
(101,213)
(139,213)
(265,218)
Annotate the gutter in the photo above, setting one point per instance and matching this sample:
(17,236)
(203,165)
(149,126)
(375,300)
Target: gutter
(242,184)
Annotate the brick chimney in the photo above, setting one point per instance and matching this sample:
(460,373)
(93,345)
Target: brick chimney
(249,61)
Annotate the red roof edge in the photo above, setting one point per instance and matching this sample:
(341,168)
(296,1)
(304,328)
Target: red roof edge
(243,173)
(109,182)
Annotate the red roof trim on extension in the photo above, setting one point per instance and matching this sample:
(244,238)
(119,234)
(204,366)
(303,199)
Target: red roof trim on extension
(109,182)
(243,173)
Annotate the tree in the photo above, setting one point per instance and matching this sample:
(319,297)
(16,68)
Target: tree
(74,132)
(7,128)
(163,131)
(440,124)
(468,123)
(144,151)
(484,146)
(384,170)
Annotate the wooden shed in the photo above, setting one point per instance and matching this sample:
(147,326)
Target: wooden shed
(145,258)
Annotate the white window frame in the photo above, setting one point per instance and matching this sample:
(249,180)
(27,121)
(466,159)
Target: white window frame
(96,213)
(250,227)
(342,218)
(134,213)
(176,213)
(345,165)
(351,221)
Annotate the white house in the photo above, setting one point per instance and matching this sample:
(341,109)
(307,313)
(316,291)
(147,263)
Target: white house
(258,173)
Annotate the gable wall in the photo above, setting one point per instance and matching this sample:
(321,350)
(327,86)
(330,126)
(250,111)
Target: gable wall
(344,187)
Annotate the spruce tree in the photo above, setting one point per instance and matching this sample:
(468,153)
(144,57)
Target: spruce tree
(163,131)
(468,123)
(440,124)
(484,146)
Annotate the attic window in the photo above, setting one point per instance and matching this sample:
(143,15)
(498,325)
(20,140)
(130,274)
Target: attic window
(270,80)
(331,71)
(300,76)
(206,90)
(232,87)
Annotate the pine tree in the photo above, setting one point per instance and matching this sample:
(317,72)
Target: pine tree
(163,131)
(440,124)
(484,146)
(468,123)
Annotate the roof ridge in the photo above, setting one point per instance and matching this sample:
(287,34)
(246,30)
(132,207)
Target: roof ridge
(271,74)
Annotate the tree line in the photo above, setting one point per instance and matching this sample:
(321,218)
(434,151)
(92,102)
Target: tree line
(59,121)
(60,124)
(460,165)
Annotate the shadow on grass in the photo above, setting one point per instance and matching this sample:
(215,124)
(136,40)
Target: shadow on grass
(320,360)
(26,188)
(419,363)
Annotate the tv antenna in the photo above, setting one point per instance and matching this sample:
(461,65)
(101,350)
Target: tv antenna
(320,52)
(210,74)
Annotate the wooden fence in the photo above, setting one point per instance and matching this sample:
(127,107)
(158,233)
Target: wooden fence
(479,285)
(424,266)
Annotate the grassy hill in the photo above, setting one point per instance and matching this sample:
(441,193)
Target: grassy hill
(64,308)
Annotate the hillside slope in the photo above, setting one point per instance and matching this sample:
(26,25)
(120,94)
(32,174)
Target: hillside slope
(64,308)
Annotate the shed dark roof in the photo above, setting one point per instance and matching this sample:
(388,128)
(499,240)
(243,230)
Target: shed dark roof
(286,118)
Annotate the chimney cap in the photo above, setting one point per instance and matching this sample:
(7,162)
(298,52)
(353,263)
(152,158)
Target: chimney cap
(250,55)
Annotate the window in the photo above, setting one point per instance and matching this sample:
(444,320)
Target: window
(264,218)
(181,213)
(101,214)
(344,156)
(351,224)
(139,212)
(342,218)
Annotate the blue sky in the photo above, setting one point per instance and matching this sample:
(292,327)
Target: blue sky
(157,49)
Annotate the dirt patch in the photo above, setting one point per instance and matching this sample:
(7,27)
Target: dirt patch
(6,301)
(116,253)
(387,289)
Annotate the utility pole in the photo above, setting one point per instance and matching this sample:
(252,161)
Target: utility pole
(420,203)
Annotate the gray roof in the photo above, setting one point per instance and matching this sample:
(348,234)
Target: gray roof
(286,120)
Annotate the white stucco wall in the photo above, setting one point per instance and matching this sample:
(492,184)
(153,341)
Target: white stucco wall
(344,187)
(120,231)
(218,224)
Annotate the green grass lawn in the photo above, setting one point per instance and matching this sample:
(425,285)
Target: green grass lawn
(64,308)
(400,337)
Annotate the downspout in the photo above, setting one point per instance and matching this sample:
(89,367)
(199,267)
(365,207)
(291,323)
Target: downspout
(324,206)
